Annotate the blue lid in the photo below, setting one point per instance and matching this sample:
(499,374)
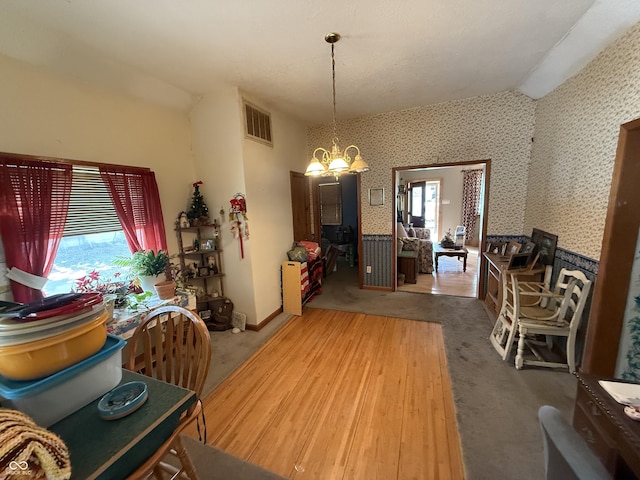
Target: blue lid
(11,389)
(122,400)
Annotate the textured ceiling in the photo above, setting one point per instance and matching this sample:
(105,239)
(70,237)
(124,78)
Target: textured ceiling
(393,54)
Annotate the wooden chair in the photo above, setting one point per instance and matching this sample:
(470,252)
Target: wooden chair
(561,316)
(172,344)
(504,330)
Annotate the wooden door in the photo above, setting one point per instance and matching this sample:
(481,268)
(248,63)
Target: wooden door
(416,203)
(300,206)
(616,259)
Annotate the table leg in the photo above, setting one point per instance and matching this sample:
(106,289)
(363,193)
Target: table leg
(464,264)
(437,262)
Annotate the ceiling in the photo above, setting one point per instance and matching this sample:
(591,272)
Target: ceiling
(393,55)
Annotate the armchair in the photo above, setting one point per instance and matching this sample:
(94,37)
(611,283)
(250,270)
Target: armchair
(420,241)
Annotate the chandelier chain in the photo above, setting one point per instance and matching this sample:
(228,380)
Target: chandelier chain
(333,71)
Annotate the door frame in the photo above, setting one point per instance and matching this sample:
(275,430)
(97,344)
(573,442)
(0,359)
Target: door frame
(317,228)
(611,289)
(483,219)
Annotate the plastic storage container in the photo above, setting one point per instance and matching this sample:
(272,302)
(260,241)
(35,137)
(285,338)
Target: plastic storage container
(50,399)
(39,358)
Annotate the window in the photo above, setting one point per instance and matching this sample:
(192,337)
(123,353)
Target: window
(93,235)
(330,203)
(47,200)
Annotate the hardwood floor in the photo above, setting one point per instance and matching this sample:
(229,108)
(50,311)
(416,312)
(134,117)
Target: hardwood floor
(450,279)
(340,395)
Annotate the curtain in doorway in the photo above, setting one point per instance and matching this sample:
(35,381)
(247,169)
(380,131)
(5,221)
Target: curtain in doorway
(471,189)
(34,200)
(137,203)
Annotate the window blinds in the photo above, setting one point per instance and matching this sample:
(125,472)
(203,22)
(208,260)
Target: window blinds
(330,203)
(90,207)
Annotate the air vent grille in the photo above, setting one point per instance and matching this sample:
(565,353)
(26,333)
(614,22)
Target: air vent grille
(257,124)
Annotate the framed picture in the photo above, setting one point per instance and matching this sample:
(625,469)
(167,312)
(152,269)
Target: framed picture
(518,261)
(203,271)
(376,196)
(546,244)
(212,264)
(513,247)
(528,247)
(207,244)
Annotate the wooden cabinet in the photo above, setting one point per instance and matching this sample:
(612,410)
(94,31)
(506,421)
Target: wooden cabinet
(201,260)
(611,435)
(495,266)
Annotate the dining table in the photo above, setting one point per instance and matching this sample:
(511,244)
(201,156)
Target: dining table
(113,449)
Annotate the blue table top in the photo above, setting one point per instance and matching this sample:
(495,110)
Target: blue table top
(112,449)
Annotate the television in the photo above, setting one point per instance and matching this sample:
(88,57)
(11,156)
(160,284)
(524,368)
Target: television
(545,245)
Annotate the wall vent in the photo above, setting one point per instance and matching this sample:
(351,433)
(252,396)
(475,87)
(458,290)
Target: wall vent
(257,124)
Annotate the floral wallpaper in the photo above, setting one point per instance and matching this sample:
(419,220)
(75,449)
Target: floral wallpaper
(576,136)
(497,127)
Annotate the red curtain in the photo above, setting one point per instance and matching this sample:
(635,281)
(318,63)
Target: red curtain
(137,203)
(34,200)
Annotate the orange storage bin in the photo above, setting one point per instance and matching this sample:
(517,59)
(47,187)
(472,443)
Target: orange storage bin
(36,359)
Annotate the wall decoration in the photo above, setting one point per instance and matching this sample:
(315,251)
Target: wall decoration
(239,220)
(376,196)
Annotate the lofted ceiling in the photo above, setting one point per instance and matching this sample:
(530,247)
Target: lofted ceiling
(393,55)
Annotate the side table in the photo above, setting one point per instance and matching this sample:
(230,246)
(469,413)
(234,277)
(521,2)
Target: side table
(408,264)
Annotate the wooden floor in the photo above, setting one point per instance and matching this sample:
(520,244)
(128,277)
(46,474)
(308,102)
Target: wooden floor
(450,279)
(339,395)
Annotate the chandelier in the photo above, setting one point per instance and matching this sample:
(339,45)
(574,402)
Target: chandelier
(335,162)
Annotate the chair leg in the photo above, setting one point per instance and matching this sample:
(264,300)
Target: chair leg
(185,460)
(571,353)
(520,355)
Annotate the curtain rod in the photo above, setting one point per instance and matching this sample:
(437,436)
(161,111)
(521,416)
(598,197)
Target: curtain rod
(21,156)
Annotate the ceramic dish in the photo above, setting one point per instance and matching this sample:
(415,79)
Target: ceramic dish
(122,400)
(632,412)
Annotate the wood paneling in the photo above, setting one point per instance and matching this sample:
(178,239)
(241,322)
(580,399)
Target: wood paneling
(339,395)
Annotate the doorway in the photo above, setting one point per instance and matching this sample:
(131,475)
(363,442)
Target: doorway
(440,198)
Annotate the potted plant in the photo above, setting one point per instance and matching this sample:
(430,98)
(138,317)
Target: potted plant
(149,266)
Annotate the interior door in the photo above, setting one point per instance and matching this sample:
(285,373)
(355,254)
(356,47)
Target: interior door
(416,203)
(300,207)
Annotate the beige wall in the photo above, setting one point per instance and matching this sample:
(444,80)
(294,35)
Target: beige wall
(576,135)
(45,114)
(228,163)
(497,127)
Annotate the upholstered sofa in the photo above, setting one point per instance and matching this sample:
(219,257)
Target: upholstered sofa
(416,239)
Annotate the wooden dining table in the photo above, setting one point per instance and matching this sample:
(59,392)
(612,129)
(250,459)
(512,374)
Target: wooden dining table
(112,449)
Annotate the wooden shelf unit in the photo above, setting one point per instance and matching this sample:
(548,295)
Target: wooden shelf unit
(212,282)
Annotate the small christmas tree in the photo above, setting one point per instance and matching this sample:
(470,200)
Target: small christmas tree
(198,212)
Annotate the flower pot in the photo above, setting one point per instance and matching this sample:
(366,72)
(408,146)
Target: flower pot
(147,282)
(165,290)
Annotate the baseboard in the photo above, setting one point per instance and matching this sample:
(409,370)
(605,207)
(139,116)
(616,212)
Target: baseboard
(265,322)
(373,287)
